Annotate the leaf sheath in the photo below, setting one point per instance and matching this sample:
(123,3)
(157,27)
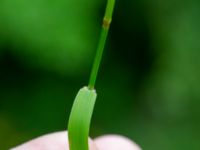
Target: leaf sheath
(80,117)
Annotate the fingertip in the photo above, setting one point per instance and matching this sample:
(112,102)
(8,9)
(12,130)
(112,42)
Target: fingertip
(115,142)
(53,141)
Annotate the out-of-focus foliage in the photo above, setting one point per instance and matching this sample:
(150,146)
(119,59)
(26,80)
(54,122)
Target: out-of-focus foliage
(55,35)
(149,82)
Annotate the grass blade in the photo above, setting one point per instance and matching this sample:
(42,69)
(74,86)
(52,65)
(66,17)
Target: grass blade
(80,117)
(81,113)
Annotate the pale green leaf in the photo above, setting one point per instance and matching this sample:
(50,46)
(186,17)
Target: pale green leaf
(80,117)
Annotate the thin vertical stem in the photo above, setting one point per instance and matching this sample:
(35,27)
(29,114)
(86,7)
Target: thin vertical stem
(104,32)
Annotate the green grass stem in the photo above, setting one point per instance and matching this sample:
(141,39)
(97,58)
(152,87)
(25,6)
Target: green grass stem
(104,32)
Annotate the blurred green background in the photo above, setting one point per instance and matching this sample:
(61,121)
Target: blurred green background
(148,85)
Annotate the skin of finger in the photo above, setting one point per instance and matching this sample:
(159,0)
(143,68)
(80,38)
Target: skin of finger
(115,142)
(59,141)
(54,141)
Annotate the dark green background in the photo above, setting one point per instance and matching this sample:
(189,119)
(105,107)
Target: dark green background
(148,85)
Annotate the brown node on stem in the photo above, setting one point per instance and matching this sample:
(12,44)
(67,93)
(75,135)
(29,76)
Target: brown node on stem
(106,23)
